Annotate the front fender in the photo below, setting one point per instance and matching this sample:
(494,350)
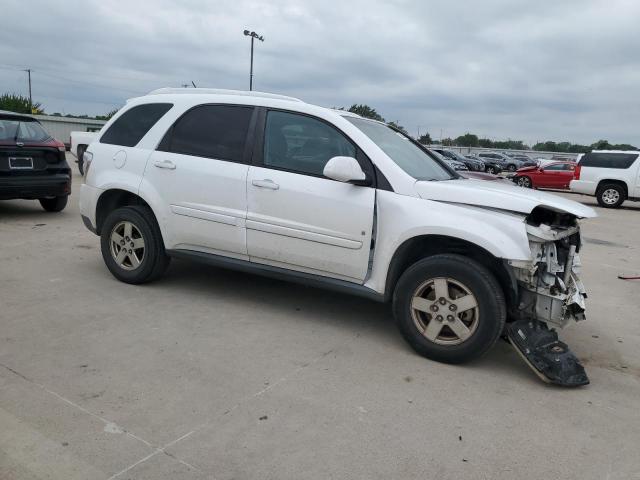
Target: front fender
(401,218)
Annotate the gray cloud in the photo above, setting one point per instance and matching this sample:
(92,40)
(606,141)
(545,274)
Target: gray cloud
(502,68)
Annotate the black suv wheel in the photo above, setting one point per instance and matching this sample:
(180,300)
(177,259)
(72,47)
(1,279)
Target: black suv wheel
(55,204)
(449,308)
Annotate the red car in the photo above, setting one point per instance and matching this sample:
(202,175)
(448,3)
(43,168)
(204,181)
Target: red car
(552,175)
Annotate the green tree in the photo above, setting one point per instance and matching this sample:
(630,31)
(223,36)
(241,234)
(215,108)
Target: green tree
(366,111)
(397,127)
(467,140)
(602,145)
(425,139)
(19,104)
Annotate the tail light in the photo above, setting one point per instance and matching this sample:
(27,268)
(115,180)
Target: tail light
(87,157)
(576,172)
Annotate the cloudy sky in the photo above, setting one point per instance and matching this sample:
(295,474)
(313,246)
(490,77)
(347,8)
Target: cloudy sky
(530,70)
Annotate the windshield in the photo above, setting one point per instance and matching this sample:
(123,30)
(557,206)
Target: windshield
(22,131)
(408,156)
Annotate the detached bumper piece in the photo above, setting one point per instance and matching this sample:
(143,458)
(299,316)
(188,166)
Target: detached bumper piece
(547,356)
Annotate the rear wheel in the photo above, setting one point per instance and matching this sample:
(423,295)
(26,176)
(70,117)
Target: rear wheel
(132,246)
(55,204)
(449,308)
(610,195)
(491,169)
(511,167)
(523,182)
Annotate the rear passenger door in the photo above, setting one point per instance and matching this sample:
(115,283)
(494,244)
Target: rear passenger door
(199,172)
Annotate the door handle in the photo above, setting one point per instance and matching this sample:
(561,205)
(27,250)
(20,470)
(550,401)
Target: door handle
(266,183)
(168,164)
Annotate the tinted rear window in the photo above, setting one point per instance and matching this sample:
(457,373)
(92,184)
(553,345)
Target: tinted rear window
(213,131)
(608,160)
(134,124)
(13,129)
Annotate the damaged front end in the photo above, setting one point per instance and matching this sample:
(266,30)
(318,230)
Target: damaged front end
(549,285)
(550,294)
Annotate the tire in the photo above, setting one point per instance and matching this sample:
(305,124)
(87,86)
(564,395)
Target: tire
(610,195)
(511,167)
(80,152)
(491,170)
(55,204)
(484,322)
(523,182)
(138,265)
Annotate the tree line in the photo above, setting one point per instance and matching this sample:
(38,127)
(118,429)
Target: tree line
(21,104)
(472,140)
(12,102)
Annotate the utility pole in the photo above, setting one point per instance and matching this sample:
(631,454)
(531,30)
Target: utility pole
(253,36)
(28,70)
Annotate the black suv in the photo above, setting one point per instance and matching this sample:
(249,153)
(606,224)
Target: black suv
(32,163)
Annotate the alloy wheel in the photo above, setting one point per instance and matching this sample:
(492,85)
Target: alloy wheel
(524,182)
(445,311)
(127,245)
(610,196)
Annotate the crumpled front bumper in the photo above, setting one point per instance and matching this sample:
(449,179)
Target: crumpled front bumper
(549,286)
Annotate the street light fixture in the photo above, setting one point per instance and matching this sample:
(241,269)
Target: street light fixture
(254,36)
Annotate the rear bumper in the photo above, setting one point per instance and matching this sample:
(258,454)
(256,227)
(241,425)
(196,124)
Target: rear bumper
(88,201)
(584,187)
(35,186)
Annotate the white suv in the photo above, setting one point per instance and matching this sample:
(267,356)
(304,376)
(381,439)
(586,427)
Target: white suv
(272,185)
(613,176)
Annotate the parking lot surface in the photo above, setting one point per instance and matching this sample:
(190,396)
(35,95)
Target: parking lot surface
(209,373)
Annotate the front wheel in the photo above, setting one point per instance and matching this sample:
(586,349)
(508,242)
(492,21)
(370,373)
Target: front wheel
(491,170)
(511,168)
(610,195)
(523,182)
(132,246)
(55,204)
(449,308)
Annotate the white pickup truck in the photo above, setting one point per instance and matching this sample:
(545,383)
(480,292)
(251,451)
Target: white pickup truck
(612,176)
(79,142)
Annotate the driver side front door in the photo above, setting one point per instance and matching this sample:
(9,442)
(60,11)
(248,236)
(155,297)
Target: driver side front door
(297,218)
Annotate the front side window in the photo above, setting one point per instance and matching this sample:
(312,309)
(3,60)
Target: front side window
(129,128)
(212,131)
(408,156)
(302,144)
(608,160)
(560,166)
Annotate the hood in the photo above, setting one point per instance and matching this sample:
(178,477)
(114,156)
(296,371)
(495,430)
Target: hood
(498,195)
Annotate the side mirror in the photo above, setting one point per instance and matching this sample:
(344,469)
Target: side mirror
(344,169)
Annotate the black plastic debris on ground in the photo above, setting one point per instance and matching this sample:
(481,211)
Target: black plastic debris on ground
(550,358)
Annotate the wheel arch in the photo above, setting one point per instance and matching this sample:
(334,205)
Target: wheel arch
(606,181)
(114,198)
(422,246)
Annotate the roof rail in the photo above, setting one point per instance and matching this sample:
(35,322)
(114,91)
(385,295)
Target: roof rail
(221,91)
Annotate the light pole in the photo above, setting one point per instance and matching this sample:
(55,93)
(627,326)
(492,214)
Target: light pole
(253,36)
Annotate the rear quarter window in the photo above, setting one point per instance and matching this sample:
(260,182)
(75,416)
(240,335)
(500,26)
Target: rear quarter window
(608,160)
(132,125)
